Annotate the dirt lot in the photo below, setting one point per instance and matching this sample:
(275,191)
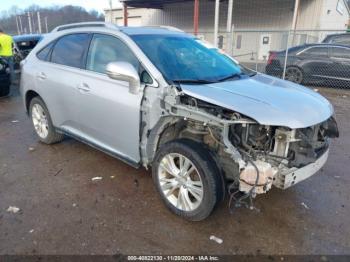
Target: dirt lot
(64,212)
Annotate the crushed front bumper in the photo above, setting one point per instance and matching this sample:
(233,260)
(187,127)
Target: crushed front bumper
(286,179)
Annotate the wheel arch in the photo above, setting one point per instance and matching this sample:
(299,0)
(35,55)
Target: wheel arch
(296,66)
(155,135)
(30,94)
(170,129)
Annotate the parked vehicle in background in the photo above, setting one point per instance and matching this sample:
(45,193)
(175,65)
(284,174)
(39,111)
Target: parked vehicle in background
(340,39)
(23,45)
(155,97)
(321,64)
(5,79)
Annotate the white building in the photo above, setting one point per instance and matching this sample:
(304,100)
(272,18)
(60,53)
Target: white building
(259,25)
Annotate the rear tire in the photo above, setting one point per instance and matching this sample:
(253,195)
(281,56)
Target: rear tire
(42,123)
(187,179)
(294,74)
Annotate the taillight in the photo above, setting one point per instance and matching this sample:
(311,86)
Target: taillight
(272,56)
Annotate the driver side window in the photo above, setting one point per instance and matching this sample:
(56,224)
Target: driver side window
(105,49)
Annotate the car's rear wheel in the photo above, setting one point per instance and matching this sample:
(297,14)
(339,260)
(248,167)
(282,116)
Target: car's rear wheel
(294,74)
(42,122)
(187,179)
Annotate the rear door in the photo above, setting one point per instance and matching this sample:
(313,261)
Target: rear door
(340,57)
(59,76)
(109,114)
(315,62)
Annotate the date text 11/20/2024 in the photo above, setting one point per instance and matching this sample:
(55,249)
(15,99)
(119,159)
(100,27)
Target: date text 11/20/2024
(173,258)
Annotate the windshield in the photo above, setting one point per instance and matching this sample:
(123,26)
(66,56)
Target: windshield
(183,59)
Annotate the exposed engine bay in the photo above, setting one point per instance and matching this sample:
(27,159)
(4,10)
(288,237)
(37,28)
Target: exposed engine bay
(271,150)
(263,155)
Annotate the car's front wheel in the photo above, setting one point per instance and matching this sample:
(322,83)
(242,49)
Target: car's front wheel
(42,122)
(187,179)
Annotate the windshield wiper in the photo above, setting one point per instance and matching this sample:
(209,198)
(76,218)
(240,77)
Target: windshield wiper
(230,76)
(192,81)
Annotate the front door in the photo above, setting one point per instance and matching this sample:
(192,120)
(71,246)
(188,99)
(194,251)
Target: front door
(315,63)
(109,114)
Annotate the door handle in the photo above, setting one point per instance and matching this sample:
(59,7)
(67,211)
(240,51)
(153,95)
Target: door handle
(41,76)
(84,87)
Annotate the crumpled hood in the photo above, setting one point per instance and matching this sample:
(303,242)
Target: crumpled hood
(267,100)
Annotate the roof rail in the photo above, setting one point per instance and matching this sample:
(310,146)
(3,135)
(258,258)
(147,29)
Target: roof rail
(84,24)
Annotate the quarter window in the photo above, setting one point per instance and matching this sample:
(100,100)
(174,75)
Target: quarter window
(343,39)
(105,49)
(341,52)
(70,50)
(44,54)
(317,51)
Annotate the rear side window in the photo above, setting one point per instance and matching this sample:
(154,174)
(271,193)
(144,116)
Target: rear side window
(70,50)
(44,54)
(317,51)
(340,52)
(343,39)
(105,49)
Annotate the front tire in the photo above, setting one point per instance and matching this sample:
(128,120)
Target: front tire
(42,123)
(187,179)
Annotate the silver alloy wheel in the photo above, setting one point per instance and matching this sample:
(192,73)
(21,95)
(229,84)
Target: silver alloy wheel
(180,182)
(40,121)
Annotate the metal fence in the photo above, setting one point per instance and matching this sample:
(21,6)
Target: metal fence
(298,56)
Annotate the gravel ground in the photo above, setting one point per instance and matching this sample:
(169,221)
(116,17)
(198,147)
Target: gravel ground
(62,211)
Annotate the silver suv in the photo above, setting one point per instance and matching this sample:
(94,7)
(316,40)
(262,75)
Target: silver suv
(157,97)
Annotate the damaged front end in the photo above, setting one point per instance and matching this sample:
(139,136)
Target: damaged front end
(281,156)
(252,157)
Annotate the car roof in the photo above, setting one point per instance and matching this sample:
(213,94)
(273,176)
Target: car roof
(340,34)
(320,45)
(296,49)
(30,37)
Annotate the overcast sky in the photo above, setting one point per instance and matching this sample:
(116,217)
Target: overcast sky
(99,5)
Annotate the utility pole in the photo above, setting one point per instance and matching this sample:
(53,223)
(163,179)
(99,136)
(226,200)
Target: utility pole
(295,14)
(111,11)
(47,29)
(216,22)
(39,22)
(20,23)
(196,17)
(229,26)
(295,19)
(29,23)
(18,31)
(33,22)
(125,14)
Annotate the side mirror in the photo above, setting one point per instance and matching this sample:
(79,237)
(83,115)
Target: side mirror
(124,71)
